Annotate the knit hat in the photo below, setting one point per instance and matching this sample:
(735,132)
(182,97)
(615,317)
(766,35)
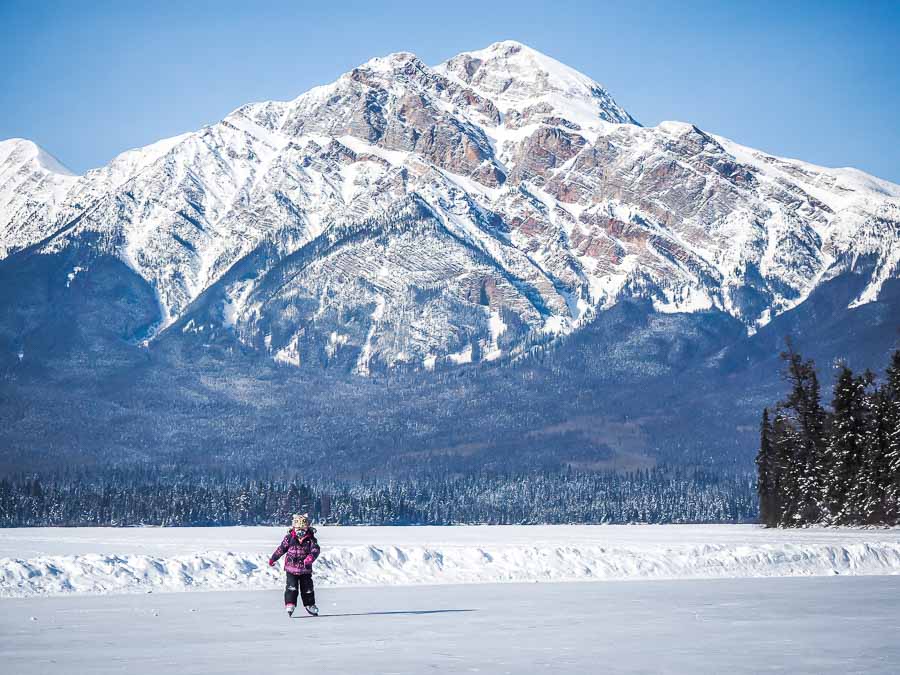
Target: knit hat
(300,521)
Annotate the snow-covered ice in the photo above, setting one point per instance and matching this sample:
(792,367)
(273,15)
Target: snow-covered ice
(49,561)
(811,625)
(398,600)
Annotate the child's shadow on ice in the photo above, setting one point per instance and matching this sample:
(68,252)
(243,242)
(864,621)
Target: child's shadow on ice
(408,612)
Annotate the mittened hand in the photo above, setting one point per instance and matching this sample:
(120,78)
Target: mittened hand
(271,563)
(308,561)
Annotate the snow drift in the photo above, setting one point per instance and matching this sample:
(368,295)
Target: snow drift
(491,555)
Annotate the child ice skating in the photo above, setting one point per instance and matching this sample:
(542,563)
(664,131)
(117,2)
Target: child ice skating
(302,550)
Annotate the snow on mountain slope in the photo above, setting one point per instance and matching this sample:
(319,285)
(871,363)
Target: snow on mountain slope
(529,87)
(423,291)
(32,184)
(866,212)
(393,216)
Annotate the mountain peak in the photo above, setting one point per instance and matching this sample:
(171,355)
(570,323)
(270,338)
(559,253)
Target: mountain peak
(511,46)
(22,150)
(516,76)
(390,61)
(548,205)
(31,181)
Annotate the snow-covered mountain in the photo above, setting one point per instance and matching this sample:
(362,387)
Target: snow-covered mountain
(417,215)
(33,184)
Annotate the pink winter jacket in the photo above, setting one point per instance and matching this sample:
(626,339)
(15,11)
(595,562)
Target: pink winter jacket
(298,547)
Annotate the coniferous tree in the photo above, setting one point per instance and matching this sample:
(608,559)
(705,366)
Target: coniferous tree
(847,449)
(786,480)
(841,467)
(766,474)
(889,416)
(658,495)
(807,419)
(878,495)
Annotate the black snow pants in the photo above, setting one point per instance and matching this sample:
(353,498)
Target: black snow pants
(301,584)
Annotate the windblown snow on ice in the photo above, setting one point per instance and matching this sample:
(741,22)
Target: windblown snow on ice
(195,558)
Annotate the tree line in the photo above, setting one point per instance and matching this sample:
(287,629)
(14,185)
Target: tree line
(131,497)
(838,466)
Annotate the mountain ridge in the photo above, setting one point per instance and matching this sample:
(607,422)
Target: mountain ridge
(560,206)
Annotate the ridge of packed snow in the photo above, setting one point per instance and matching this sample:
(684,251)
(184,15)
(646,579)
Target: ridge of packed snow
(469,555)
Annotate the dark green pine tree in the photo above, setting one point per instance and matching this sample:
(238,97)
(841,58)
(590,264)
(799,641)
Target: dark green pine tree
(889,420)
(878,495)
(803,409)
(847,448)
(766,474)
(785,483)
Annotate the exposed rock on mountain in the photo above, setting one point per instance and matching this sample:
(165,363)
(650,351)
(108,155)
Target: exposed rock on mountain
(417,216)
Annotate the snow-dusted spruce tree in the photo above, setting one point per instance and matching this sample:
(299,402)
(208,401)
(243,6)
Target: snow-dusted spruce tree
(785,481)
(848,447)
(878,493)
(841,467)
(803,409)
(888,411)
(765,473)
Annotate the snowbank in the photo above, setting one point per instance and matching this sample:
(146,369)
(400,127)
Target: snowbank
(650,554)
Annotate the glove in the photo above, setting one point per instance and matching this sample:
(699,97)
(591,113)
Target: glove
(308,560)
(271,563)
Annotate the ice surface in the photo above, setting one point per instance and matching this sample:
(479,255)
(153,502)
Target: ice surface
(835,625)
(48,561)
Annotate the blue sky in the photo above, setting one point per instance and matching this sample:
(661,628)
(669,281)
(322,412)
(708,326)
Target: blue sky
(815,80)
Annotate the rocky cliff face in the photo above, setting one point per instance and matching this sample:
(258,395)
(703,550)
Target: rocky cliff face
(418,216)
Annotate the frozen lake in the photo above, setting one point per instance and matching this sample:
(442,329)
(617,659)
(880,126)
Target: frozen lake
(427,599)
(790,625)
(54,561)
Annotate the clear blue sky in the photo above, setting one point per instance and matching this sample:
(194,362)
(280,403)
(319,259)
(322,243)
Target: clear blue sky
(815,80)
